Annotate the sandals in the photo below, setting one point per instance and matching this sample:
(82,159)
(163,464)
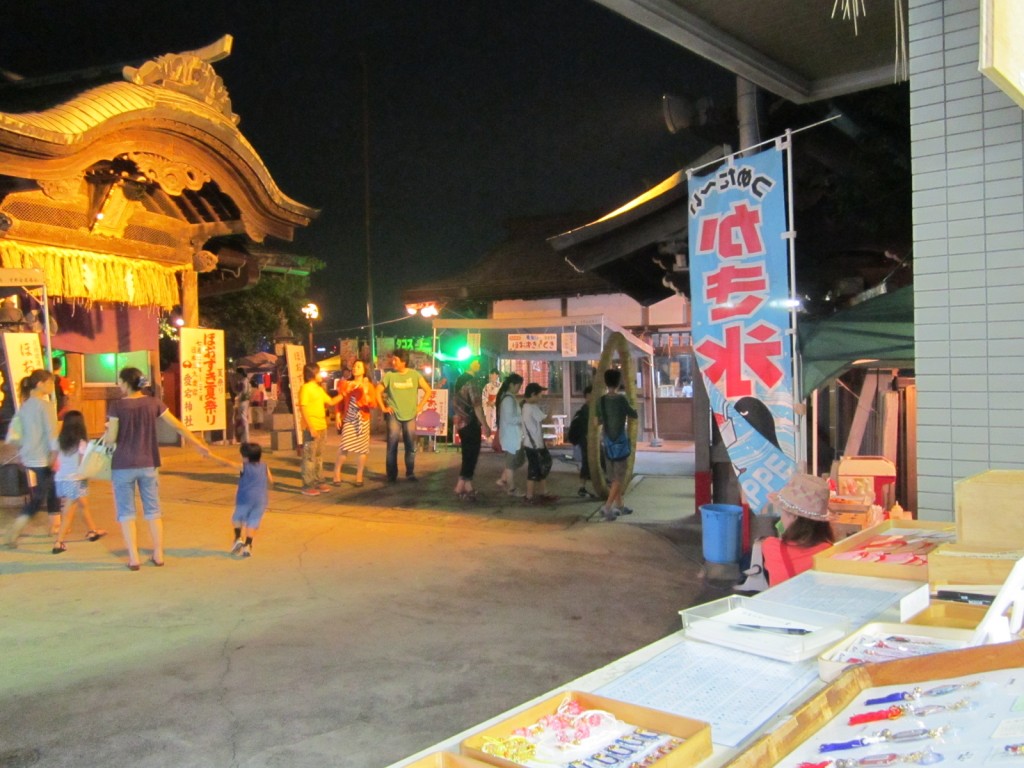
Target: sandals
(95,535)
(467,496)
(58,547)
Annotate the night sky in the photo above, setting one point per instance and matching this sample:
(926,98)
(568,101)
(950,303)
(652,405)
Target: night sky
(479,111)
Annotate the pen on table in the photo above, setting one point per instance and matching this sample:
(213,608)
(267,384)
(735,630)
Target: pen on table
(780,630)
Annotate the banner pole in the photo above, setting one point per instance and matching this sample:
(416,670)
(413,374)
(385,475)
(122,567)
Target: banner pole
(800,440)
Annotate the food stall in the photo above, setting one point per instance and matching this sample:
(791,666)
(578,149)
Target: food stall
(768,676)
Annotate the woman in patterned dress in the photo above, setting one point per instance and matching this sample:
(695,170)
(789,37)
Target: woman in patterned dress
(360,398)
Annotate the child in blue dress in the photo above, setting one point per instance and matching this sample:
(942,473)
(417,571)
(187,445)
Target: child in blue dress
(251,498)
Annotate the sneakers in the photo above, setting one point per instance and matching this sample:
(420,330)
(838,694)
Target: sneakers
(310,492)
(609,514)
(247,551)
(624,511)
(324,487)
(412,478)
(238,546)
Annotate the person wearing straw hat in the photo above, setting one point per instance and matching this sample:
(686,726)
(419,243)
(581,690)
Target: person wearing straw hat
(802,505)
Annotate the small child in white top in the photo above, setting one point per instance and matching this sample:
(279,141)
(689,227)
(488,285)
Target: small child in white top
(70,444)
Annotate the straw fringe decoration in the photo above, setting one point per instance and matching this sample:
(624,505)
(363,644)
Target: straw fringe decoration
(86,277)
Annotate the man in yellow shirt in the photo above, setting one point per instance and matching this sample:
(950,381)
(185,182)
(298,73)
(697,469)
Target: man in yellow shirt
(313,405)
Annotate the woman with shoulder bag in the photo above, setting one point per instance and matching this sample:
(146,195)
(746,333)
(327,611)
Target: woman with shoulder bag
(612,411)
(131,425)
(538,457)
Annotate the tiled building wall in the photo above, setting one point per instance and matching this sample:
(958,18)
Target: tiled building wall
(968,182)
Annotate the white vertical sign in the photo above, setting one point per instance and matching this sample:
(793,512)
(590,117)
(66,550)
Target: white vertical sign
(295,360)
(569,344)
(24,355)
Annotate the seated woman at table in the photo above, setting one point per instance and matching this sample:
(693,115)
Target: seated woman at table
(802,505)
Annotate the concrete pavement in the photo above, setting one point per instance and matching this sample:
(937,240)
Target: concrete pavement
(370,623)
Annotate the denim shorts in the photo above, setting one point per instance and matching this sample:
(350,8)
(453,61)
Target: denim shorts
(148,481)
(72,490)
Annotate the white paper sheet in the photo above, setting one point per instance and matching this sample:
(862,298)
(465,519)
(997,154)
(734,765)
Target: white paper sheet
(734,691)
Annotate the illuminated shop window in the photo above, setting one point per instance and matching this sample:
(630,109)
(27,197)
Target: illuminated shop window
(102,369)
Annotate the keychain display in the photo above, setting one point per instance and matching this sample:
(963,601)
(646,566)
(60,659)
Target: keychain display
(982,726)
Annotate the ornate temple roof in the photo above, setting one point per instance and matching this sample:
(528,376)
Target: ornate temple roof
(132,162)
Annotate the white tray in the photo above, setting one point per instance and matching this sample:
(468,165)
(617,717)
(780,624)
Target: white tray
(718,622)
(952,638)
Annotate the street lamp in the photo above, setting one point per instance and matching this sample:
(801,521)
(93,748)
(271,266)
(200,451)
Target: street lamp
(312,312)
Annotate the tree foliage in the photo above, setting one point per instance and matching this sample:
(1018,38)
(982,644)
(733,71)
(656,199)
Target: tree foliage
(250,319)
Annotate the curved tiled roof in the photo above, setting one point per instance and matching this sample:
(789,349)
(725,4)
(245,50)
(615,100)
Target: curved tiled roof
(525,266)
(60,130)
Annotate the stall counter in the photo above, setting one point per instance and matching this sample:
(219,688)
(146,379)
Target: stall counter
(866,599)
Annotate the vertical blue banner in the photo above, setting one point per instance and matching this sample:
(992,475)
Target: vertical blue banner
(739,285)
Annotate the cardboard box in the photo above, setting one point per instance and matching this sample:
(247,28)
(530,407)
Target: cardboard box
(988,509)
(829,669)
(825,561)
(814,713)
(946,613)
(448,760)
(697,734)
(959,563)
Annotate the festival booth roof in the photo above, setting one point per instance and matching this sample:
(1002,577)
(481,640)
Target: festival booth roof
(592,332)
(878,332)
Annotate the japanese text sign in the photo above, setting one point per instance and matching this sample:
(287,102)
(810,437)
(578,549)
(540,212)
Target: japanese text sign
(741,317)
(203,404)
(533,342)
(295,363)
(24,355)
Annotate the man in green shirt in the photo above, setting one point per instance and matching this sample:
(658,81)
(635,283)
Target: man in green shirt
(399,392)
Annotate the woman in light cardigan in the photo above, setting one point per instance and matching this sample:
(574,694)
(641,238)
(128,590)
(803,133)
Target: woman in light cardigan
(37,419)
(510,431)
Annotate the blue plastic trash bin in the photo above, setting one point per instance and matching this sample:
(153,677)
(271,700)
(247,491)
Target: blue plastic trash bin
(721,526)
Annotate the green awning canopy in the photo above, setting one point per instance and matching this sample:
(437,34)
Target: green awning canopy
(878,332)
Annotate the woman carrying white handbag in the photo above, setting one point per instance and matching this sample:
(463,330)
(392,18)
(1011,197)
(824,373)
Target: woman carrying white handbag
(131,424)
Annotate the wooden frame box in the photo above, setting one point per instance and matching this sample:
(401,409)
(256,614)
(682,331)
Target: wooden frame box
(961,563)
(946,613)
(818,710)
(697,734)
(825,561)
(987,508)
(448,760)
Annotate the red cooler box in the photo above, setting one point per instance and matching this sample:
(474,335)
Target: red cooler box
(867,476)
